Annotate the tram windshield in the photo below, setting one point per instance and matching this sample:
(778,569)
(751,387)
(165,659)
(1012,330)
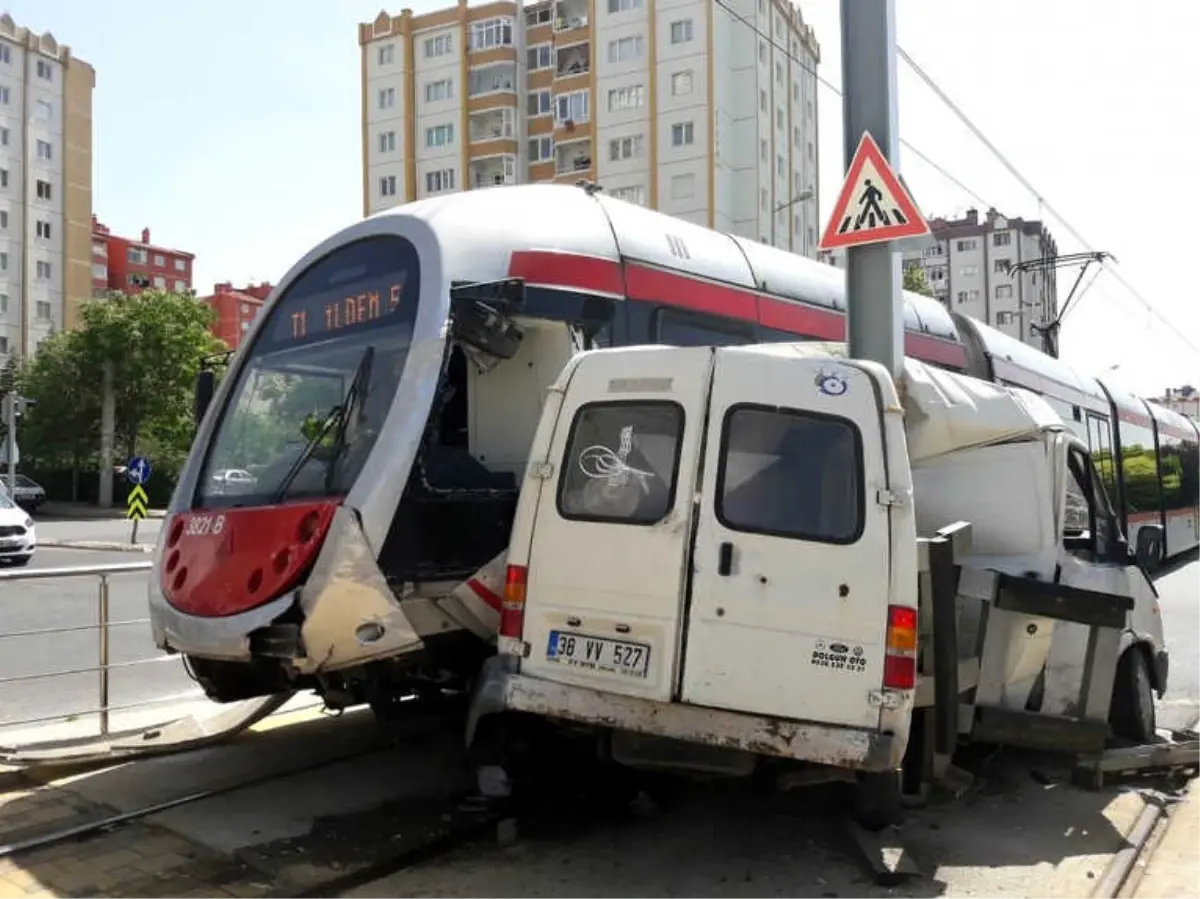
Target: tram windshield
(314,392)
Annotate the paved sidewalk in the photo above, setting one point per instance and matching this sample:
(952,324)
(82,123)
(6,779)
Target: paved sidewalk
(1174,868)
(55,509)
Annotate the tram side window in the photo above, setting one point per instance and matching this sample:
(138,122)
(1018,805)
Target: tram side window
(1180,481)
(1139,472)
(686,329)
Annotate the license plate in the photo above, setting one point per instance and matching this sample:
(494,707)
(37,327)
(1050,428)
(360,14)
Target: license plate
(622,657)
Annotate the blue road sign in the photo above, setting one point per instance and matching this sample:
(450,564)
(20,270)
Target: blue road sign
(138,470)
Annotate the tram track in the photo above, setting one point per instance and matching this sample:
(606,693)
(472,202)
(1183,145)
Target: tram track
(421,724)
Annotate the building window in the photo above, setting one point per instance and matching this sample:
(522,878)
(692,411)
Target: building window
(387,54)
(964,245)
(969,271)
(779,73)
(779,119)
(682,134)
(387,186)
(3,219)
(4,95)
(623,98)
(180,265)
(436,91)
(42,110)
(43,270)
(681,31)
(44,70)
(3,304)
(491,33)
(1001,266)
(625,148)
(387,141)
(439,136)
(572,107)
(443,179)
(438,46)
(681,83)
(1001,238)
(180,286)
(99,272)
(3,137)
(137,256)
(539,103)
(615,6)
(1004,291)
(160,282)
(42,229)
(6,54)
(683,186)
(43,190)
(538,15)
(3,177)
(635,194)
(626,48)
(539,57)
(3,262)
(1005,318)
(762,100)
(159,262)
(764,151)
(387,97)
(541,149)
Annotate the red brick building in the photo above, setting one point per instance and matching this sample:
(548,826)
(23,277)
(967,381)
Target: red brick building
(236,308)
(130,266)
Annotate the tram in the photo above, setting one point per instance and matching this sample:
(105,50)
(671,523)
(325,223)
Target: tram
(384,403)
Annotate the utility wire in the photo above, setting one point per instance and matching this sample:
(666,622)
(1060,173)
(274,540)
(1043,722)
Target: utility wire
(1042,201)
(786,51)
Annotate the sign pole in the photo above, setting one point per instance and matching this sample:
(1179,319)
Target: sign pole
(137,472)
(10,413)
(875,311)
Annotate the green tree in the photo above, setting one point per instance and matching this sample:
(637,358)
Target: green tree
(915,280)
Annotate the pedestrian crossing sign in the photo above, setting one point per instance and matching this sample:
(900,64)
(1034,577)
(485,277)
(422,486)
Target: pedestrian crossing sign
(873,206)
(137,503)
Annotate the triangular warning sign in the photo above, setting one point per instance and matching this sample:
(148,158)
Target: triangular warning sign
(873,205)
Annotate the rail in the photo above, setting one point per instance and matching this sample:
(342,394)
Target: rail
(103,626)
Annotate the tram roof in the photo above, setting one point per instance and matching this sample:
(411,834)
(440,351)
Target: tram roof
(480,230)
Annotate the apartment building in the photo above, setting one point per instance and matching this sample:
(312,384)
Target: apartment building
(971,266)
(130,265)
(45,187)
(672,104)
(236,308)
(1185,400)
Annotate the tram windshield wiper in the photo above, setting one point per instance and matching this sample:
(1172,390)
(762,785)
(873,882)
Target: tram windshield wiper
(338,416)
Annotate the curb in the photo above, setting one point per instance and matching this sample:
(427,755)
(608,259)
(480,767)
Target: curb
(97,546)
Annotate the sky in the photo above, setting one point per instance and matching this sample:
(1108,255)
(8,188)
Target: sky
(231,129)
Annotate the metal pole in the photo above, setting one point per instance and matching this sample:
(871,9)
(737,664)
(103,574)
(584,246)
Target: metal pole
(10,408)
(102,617)
(875,314)
(133,534)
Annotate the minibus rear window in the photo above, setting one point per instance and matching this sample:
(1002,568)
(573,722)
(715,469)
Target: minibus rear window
(791,473)
(621,463)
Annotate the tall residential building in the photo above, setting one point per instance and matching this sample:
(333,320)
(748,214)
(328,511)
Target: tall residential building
(969,266)
(673,104)
(236,308)
(1185,400)
(45,187)
(131,265)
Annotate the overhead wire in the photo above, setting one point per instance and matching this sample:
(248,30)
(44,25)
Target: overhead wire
(975,130)
(1106,265)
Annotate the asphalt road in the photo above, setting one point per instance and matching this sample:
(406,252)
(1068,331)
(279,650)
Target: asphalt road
(114,530)
(1179,602)
(72,602)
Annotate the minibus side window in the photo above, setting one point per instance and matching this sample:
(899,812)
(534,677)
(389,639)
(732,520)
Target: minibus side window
(621,463)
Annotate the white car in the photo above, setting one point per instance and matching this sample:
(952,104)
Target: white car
(18,541)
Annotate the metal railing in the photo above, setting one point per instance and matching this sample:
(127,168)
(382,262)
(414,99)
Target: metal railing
(103,626)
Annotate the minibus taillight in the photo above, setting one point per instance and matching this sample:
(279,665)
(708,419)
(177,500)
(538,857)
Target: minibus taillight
(900,662)
(512,608)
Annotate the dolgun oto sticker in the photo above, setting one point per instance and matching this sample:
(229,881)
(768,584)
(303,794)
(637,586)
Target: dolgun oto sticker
(838,656)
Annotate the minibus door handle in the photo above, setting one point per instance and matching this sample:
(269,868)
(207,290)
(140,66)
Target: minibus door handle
(725,559)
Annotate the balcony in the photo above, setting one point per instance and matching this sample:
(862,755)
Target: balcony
(493,170)
(491,79)
(491,124)
(575,156)
(570,15)
(573,60)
